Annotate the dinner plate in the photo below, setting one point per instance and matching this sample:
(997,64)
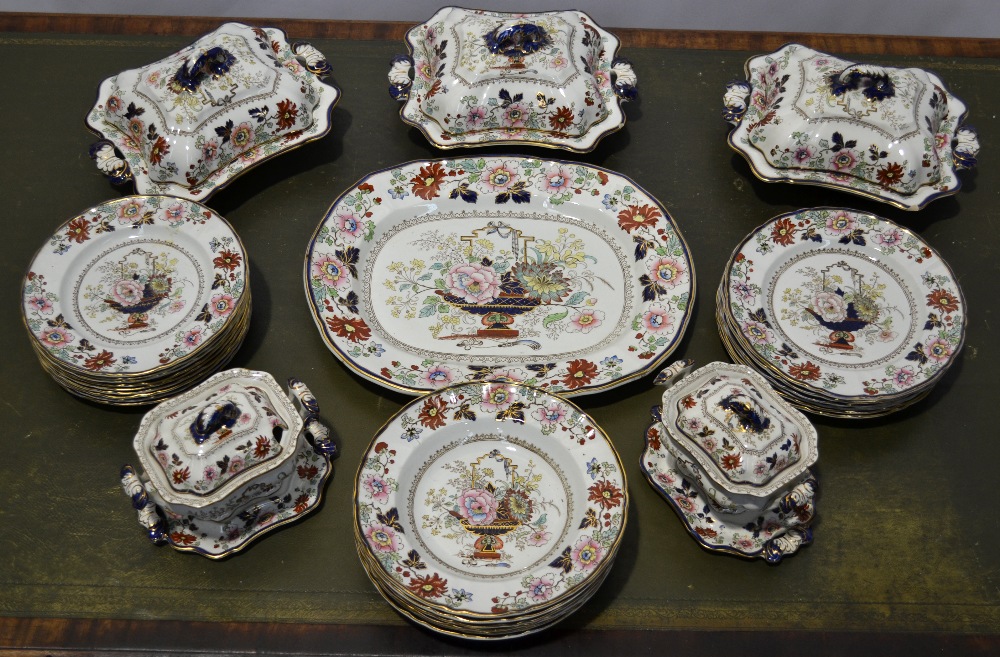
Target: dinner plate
(844,303)
(490,498)
(557,274)
(134,285)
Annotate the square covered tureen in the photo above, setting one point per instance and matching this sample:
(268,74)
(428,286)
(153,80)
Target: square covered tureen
(483,77)
(227,461)
(741,448)
(893,134)
(189,123)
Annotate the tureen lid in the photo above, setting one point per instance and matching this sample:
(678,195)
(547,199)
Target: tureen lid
(232,98)
(747,439)
(198,447)
(892,133)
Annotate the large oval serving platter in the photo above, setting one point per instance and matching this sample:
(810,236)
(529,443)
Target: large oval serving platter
(556,274)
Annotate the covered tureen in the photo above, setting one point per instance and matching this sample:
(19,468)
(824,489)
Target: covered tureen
(733,459)
(893,134)
(191,122)
(483,77)
(227,461)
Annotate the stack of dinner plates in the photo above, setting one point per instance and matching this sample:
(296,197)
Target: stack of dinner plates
(847,314)
(137,299)
(489,510)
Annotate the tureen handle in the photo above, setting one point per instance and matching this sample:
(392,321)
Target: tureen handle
(625,79)
(873,81)
(314,61)
(735,101)
(796,508)
(106,156)
(149,518)
(966,148)
(673,372)
(307,406)
(400,77)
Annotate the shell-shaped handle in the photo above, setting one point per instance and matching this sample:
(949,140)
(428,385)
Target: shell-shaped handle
(625,79)
(787,544)
(149,518)
(400,77)
(797,510)
(966,148)
(517,40)
(108,160)
(317,432)
(873,82)
(672,373)
(734,101)
(314,61)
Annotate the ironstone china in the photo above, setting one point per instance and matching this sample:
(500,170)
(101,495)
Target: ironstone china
(228,461)
(732,459)
(846,313)
(137,298)
(892,134)
(489,509)
(556,274)
(188,124)
(476,77)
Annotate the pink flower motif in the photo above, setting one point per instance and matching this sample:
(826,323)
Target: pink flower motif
(477,506)
(757,332)
(539,537)
(557,180)
(236,464)
(744,292)
(830,306)
(349,226)
(666,271)
(685,503)
(552,414)
(840,223)
(744,542)
(127,292)
(666,478)
(507,375)
(221,305)
(904,377)
(115,105)
(332,272)
(497,397)
(891,237)
(193,337)
(802,154)
(211,473)
(938,350)
(657,320)
(56,336)
(709,444)
(515,114)
(40,304)
(602,79)
(153,78)
(500,177)
(760,469)
(843,160)
(210,150)
(242,136)
(176,306)
(558,62)
(174,214)
(377,488)
(131,211)
(887,335)
(473,282)
(587,553)
(438,376)
(585,321)
(475,116)
(382,538)
(540,588)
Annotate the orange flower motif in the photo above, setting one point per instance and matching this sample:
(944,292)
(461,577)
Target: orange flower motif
(262,448)
(355,330)
(78,230)
(432,415)
(731,461)
(579,373)
(783,232)
(287,113)
(634,216)
(943,301)
(430,586)
(100,361)
(562,119)
(890,174)
(227,260)
(808,371)
(427,183)
(159,149)
(606,494)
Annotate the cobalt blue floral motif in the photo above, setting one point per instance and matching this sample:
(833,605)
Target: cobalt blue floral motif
(517,40)
(215,61)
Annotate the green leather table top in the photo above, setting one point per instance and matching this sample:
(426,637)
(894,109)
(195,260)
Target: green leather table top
(907,532)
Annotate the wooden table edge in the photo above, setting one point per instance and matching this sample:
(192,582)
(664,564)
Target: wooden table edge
(299,28)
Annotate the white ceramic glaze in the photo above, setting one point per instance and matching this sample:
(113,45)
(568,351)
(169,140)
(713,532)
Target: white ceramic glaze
(556,274)
(483,77)
(227,461)
(187,124)
(894,134)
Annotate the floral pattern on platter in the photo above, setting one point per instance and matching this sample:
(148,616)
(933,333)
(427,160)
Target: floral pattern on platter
(134,284)
(770,534)
(185,127)
(497,526)
(847,302)
(488,77)
(812,117)
(217,539)
(551,273)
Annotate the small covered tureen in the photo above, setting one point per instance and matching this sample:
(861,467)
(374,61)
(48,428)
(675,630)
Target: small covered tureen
(740,458)
(228,460)
(188,124)
(484,77)
(893,134)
